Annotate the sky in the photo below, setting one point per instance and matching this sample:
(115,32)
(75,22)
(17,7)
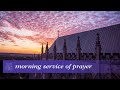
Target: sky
(25,31)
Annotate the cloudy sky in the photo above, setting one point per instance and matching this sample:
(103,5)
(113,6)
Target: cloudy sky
(25,31)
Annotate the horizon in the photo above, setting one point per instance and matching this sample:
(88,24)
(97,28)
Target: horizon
(24,31)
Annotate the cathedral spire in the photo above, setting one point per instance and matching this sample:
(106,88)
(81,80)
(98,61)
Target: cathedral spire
(42,52)
(47,51)
(54,51)
(64,50)
(78,49)
(98,47)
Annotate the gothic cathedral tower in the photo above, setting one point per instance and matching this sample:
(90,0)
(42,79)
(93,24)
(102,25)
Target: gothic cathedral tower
(78,49)
(42,52)
(98,47)
(64,50)
(47,51)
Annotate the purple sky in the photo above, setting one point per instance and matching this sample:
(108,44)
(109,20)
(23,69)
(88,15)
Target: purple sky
(19,29)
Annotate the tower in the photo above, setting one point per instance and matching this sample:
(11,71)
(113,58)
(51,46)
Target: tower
(64,50)
(54,51)
(47,51)
(78,49)
(42,52)
(98,47)
(97,55)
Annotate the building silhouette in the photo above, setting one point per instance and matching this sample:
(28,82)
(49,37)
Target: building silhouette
(54,54)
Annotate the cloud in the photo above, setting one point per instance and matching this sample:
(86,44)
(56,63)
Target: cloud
(52,21)
(2,24)
(3,44)
(39,39)
(15,45)
(29,29)
(6,36)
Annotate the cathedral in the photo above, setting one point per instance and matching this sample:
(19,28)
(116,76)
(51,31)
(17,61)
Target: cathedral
(66,48)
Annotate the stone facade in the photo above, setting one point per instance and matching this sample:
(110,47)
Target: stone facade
(97,55)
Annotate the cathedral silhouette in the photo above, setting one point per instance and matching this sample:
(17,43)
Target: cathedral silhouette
(77,55)
(98,55)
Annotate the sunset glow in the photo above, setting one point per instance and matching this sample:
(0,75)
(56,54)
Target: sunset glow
(25,31)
